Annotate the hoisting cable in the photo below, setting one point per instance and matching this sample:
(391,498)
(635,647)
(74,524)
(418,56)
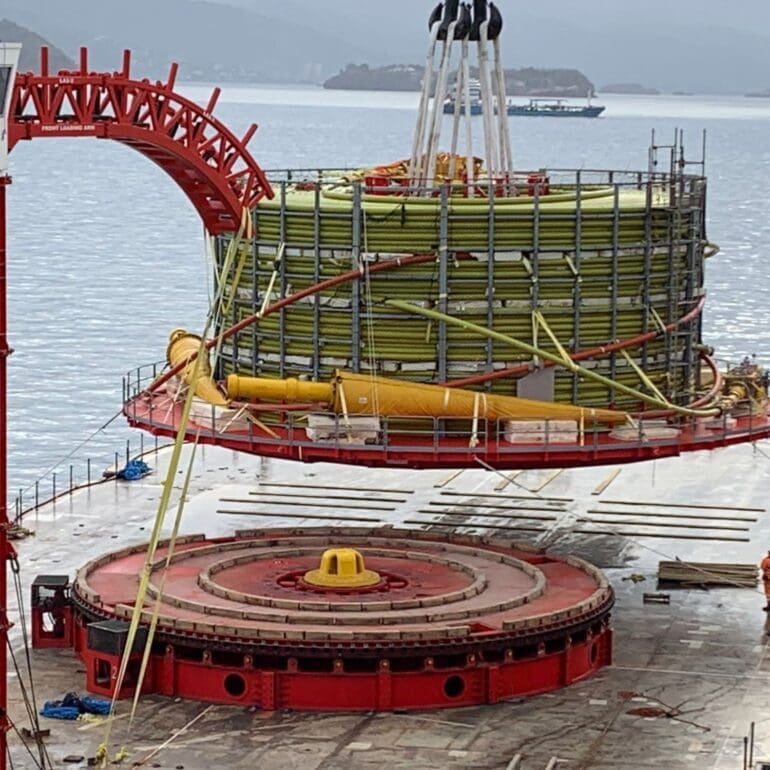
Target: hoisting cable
(417,158)
(31,701)
(538,352)
(21,738)
(41,763)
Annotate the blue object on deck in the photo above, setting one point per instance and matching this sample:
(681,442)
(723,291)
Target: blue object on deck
(134,470)
(71,706)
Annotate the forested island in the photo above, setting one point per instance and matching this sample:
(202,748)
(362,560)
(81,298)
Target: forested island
(529,81)
(629,88)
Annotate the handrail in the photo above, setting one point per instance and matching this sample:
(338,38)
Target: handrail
(427,433)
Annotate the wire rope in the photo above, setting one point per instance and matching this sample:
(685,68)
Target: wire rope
(32,705)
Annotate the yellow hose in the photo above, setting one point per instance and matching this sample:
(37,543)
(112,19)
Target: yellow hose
(361,394)
(183,346)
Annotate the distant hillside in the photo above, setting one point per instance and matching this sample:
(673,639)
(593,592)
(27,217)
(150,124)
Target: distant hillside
(210,41)
(408,77)
(30,48)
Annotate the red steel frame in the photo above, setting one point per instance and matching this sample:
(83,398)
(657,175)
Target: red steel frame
(5,552)
(213,167)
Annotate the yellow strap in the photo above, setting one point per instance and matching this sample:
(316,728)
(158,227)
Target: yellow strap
(241,263)
(643,376)
(563,355)
(158,599)
(168,485)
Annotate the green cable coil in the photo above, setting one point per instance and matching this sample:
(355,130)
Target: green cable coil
(610,260)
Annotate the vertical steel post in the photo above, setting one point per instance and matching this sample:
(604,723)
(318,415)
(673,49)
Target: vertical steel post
(316,279)
(614,279)
(255,300)
(234,315)
(534,289)
(647,269)
(577,287)
(10,56)
(355,288)
(282,272)
(490,343)
(443,282)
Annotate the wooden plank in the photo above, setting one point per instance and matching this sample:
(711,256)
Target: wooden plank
(700,573)
(451,477)
(548,480)
(702,506)
(508,479)
(613,475)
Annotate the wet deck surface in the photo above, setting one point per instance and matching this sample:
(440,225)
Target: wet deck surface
(705,652)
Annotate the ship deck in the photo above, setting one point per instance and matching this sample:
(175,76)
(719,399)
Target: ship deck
(704,654)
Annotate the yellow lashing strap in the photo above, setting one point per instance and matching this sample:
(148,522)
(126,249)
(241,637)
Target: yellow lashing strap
(102,753)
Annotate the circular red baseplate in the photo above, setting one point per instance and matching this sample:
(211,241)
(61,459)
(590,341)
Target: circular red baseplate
(459,620)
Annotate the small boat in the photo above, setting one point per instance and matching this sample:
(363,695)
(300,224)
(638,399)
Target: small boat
(558,108)
(474,88)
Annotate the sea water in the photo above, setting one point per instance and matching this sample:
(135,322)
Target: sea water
(106,254)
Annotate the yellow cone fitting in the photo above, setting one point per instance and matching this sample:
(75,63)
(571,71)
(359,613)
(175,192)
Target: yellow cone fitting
(342,568)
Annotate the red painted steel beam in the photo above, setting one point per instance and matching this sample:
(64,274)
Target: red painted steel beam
(5,351)
(210,163)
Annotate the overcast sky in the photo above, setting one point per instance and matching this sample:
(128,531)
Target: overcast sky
(699,45)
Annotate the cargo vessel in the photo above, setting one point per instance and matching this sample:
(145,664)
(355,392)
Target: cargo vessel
(555,108)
